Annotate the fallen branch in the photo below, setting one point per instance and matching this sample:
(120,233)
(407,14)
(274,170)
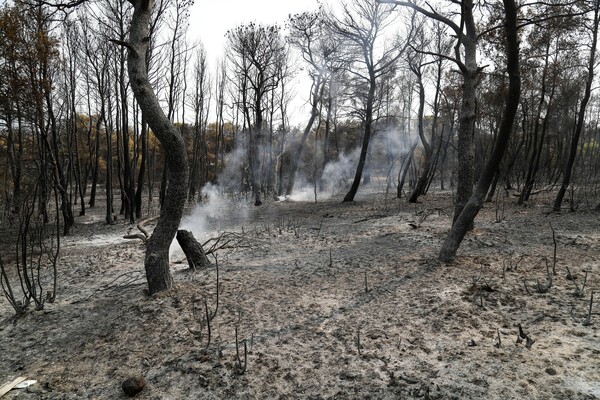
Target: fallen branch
(140,236)
(143,233)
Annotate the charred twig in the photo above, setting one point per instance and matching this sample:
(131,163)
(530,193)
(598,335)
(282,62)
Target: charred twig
(408,379)
(523,336)
(526,288)
(512,267)
(499,342)
(579,292)
(320,227)
(529,342)
(130,276)
(500,214)
(226,240)
(240,367)
(208,321)
(211,315)
(588,320)
(548,285)
(420,220)
(554,253)
(208,317)
(571,312)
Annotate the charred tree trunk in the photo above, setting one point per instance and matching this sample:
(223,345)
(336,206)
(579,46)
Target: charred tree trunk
(193,250)
(96,165)
(538,145)
(366,138)
(142,171)
(581,117)
(404,169)
(471,209)
(157,247)
(419,188)
(109,175)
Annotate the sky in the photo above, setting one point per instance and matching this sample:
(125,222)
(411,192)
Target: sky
(211,19)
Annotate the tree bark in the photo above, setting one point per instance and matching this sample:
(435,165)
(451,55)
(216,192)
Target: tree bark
(157,248)
(419,189)
(472,207)
(142,171)
(365,142)
(581,117)
(193,250)
(467,38)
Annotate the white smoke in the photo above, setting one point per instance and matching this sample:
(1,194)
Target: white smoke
(335,178)
(214,214)
(385,153)
(230,178)
(217,212)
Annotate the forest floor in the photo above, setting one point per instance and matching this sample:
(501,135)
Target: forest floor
(333,300)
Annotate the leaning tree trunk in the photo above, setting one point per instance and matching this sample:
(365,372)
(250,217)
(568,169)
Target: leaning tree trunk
(365,142)
(427,147)
(469,212)
(157,248)
(580,120)
(193,250)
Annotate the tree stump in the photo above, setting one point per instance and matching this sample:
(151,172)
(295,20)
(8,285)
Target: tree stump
(193,250)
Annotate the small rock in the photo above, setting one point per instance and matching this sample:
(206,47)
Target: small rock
(471,343)
(133,385)
(350,376)
(550,371)
(35,389)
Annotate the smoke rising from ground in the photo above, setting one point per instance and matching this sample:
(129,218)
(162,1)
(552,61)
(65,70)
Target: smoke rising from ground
(386,151)
(218,212)
(215,214)
(335,178)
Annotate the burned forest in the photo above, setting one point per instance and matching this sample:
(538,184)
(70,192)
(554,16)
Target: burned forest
(341,199)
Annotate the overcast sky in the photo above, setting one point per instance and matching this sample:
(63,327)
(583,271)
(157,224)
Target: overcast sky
(211,19)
